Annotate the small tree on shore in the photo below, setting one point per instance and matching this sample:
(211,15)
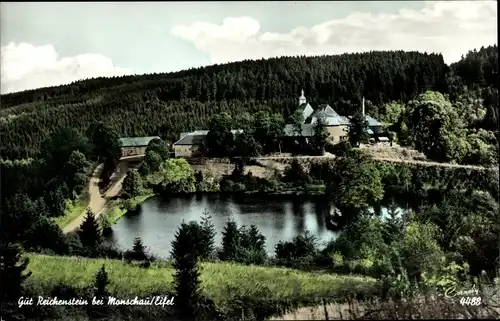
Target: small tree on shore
(208,236)
(138,252)
(230,242)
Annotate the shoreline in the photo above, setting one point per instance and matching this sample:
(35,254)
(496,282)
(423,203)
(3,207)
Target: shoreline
(118,208)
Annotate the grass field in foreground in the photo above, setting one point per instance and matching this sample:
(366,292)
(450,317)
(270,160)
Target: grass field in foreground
(220,281)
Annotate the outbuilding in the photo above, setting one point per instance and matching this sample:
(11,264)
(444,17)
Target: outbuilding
(134,146)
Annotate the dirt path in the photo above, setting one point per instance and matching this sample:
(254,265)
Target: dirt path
(388,160)
(429,163)
(335,312)
(97,201)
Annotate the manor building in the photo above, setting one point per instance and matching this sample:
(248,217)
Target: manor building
(336,125)
(190,144)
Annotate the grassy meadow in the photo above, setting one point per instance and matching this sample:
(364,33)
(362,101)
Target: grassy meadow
(222,282)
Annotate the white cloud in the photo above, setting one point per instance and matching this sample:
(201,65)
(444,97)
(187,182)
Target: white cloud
(24,66)
(448,27)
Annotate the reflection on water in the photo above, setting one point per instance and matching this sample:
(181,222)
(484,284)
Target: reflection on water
(278,220)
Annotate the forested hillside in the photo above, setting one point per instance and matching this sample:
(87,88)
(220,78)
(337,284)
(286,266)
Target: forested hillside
(167,104)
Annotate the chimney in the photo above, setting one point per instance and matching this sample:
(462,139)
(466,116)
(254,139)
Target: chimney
(363,107)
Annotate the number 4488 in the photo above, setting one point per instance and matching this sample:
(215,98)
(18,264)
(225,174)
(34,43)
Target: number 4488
(470,301)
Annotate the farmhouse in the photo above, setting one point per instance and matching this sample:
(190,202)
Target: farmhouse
(133,146)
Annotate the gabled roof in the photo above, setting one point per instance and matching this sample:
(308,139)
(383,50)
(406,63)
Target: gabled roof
(372,122)
(198,137)
(332,121)
(307,110)
(191,139)
(326,111)
(136,141)
(307,130)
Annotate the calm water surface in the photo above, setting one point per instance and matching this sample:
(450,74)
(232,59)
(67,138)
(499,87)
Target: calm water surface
(158,219)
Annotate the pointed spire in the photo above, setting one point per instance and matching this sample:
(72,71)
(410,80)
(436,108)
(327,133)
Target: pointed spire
(302,98)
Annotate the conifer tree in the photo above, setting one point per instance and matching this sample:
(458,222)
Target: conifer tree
(101,294)
(358,129)
(254,245)
(230,242)
(139,250)
(89,232)
(12,277)
(208,236)
(186,277)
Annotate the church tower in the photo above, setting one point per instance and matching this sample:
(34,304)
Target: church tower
(302,98)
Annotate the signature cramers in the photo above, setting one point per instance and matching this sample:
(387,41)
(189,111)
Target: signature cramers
(453,292)
(155,300)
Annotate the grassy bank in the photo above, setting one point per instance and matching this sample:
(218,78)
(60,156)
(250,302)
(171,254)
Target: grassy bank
(118,208)
(74,208)
(223,282)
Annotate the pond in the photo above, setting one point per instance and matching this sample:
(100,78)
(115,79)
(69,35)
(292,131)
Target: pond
(279,219)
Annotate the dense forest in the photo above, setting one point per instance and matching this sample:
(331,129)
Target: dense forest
(167,104)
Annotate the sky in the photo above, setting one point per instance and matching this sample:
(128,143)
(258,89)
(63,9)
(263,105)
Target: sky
(48,44)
